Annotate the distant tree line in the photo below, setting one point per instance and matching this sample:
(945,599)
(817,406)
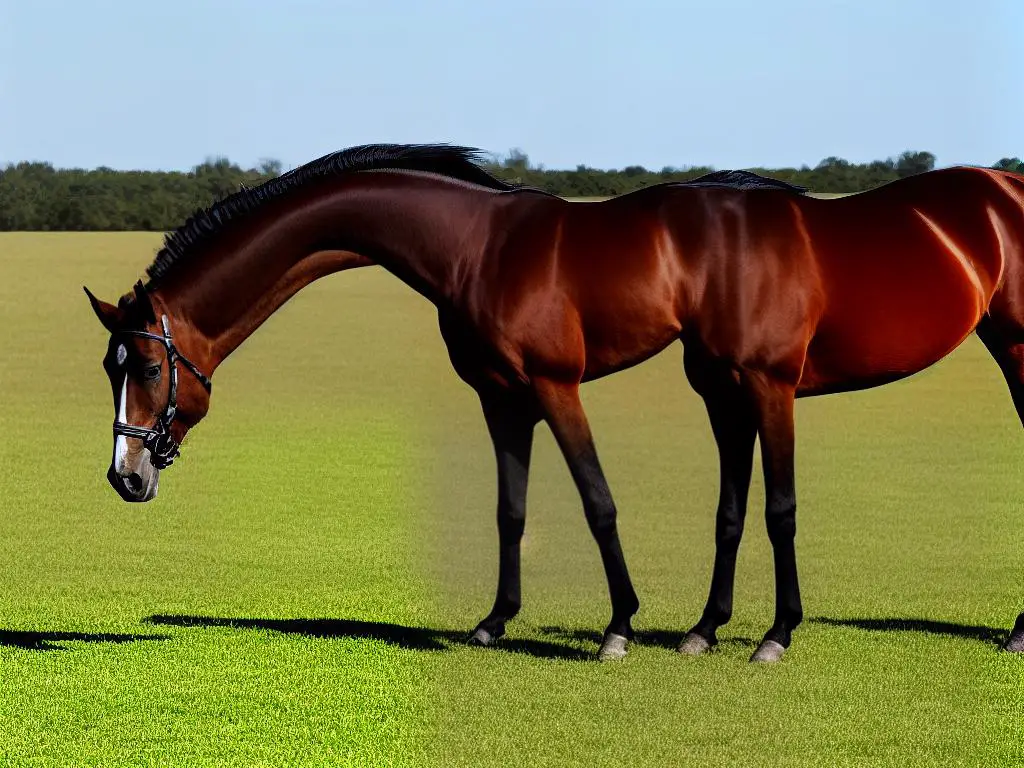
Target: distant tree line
(37,196)
(833,174)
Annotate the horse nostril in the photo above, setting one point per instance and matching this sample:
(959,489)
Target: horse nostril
(134,482)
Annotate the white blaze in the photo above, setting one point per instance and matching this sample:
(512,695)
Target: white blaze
(120,441)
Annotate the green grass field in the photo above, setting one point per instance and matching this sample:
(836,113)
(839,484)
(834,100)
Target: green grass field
(296,594)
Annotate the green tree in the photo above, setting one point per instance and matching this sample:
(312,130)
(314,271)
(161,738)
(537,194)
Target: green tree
(270,167)
(517,160)
(912,163)
(1012,164)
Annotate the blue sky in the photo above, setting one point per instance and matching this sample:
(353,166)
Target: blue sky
(730,83)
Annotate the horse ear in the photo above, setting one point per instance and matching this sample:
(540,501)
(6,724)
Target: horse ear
(144,302)
(108,314)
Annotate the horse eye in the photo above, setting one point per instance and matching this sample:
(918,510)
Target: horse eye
(152,372)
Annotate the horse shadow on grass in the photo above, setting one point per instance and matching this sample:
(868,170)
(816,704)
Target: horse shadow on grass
(410,638)
(987,635)
(28,640)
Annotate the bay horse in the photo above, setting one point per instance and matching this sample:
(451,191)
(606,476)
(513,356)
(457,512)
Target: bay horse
(774,294)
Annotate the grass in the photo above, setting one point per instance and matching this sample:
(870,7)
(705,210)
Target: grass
(296,594)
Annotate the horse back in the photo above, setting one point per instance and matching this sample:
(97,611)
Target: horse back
(907,271)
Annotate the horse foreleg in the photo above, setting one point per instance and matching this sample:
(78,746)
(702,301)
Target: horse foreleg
(510,424)
(563,411)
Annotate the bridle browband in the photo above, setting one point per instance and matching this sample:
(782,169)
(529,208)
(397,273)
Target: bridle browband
(163,448)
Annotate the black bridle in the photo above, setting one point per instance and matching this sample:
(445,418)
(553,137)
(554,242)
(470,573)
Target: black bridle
(163,448)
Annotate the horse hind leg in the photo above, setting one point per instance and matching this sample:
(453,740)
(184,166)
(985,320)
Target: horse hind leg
(1005,342)
(734,425)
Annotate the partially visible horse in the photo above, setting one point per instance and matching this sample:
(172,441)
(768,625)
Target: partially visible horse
(774,294)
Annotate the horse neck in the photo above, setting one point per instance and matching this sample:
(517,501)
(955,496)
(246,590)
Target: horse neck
(410,225)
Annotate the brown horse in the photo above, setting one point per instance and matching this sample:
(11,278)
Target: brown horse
(774,294)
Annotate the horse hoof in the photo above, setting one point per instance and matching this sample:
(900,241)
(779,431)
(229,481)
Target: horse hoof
(768,652)
(1016,643)
(693,645)
(482,638)
(613,648)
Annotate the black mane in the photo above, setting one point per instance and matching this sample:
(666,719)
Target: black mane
(742,180)
(454,162)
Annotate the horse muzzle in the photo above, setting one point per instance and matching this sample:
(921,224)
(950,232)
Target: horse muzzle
(137,486)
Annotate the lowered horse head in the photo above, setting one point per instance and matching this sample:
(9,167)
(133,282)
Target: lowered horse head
(154,404)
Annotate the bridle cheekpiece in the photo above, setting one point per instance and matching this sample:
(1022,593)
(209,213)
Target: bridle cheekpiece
(162,446)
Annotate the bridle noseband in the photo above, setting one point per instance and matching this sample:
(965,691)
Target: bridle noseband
(163,448)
